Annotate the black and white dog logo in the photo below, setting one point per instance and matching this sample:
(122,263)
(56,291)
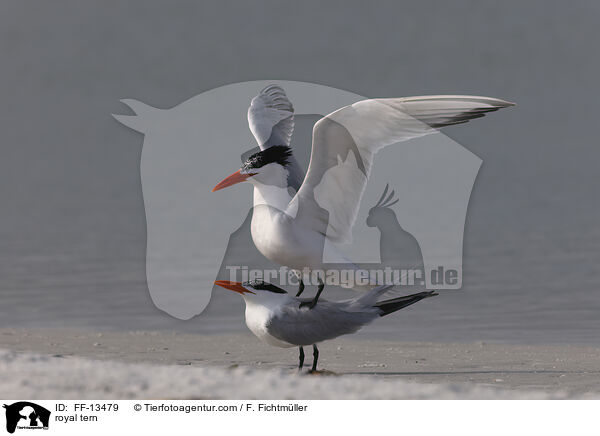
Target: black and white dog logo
(26,415)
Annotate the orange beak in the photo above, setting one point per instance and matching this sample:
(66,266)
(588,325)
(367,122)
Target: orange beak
(233,179)
(233,286)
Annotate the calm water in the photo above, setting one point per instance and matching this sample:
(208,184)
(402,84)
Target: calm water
(538,288)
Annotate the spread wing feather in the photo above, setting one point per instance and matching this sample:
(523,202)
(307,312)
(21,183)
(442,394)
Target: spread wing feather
(271,121)
(346,141)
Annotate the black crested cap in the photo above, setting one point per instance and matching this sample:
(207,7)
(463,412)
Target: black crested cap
(264,286)
(277,153)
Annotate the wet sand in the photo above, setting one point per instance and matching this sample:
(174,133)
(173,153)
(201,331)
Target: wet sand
(406,369)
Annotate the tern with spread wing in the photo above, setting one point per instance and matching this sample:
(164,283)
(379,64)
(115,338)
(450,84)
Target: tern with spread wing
(291,229)
(276,317)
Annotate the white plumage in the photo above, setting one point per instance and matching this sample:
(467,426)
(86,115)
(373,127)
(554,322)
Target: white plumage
(292,230)
(278,319)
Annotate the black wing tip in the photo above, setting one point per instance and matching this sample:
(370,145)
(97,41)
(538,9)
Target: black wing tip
(390,306)
(424,294)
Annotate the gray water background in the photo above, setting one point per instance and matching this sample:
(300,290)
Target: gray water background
(72,226)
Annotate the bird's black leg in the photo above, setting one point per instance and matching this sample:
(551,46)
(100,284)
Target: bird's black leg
(300,288)
(313,303)
(301,358)
(315,358)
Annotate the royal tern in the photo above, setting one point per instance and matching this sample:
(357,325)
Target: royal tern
(276,317)
(291,230)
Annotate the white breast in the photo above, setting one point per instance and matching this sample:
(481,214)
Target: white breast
(277,236)
(257,317)
(275,233)
(269,233)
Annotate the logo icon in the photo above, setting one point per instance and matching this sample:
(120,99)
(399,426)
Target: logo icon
(26,415)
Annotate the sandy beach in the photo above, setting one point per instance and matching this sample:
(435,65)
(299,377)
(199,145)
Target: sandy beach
(52,363)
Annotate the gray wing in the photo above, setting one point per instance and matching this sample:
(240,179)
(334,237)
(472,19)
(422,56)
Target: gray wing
(271,121)
(346,141)
(327,320)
